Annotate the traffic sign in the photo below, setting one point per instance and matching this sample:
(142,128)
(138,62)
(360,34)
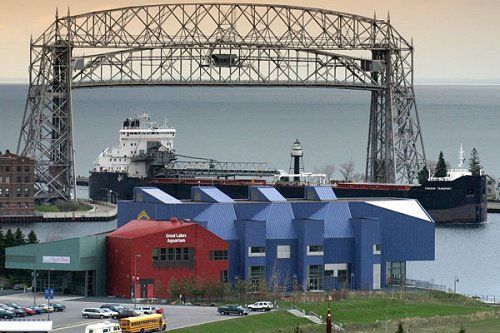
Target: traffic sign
(49,293)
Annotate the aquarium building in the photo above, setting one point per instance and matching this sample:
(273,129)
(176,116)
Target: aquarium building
(317,242)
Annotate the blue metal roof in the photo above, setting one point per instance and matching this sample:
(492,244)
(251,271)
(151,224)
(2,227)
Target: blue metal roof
(209,194)
(279,222)
(153,195)
(337,220)
(319,193)
(265,193)
(220,220)
(251,211)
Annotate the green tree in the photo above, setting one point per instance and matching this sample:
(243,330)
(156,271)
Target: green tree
(2,253)
(423,175)
(174,288)
(440,166)
(32,238)
(10,240)
(474,163)
(19,237)
(400,328)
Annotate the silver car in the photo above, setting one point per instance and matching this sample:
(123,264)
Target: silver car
(95,313)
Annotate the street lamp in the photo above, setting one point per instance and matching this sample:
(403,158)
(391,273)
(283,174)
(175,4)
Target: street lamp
(455,281)
(352,281)
(34,275)
(49,293)
(135,277)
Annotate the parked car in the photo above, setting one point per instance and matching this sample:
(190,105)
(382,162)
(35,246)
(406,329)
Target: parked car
(113,313)
(6,314)
(19,286)
(159,310)
(17,312)
(13,305)
(36,308)
(123,312)
(29,312)
(261,306)
(146,309)
(17,309)
(95,313)
(45,307)
(58,306)
(232,309)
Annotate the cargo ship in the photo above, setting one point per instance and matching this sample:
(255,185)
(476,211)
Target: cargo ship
(145,156)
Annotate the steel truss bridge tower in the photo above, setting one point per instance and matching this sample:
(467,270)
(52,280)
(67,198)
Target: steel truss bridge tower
(226,45)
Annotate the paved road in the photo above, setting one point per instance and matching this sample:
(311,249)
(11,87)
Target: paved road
(71,320)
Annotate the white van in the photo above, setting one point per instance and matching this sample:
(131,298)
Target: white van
(105,327)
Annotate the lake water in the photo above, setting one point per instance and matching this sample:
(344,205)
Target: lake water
(260,124)
(469,253)
(243,124)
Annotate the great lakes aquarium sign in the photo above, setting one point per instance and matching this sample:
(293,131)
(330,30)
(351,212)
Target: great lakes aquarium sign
(176,238)
(56,260)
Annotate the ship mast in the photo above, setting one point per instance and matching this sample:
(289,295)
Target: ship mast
(461,157)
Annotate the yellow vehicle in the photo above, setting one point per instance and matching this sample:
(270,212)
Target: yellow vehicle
(141,324)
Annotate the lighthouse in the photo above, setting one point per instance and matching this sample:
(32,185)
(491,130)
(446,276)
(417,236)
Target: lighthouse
(296,160)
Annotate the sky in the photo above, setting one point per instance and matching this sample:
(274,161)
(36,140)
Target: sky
(456,41)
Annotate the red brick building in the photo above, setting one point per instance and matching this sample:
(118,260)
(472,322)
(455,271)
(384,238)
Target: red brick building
(151,253)
(16,185)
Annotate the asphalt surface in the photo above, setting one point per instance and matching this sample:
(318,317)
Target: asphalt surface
(71,320)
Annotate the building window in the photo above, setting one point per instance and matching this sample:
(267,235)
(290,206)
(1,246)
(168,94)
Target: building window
(395,273)
(257,251)
(377,248)
(224,277)
(26,179)
(7,169)
(173,257)
(18,191)
(315,277)
(257,274)
(283,252)
(315,250)
(26,192)
(218,255)
(18,168)
(7,194)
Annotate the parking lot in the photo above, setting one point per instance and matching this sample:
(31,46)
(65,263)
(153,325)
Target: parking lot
(71,320)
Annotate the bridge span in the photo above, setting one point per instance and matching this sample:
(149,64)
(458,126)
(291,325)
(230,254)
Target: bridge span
(226,45)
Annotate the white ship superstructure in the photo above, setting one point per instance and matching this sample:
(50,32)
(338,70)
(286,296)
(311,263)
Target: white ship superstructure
(137,135)
(453,174)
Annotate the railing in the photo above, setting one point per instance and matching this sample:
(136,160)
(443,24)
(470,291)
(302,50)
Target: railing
(425,285)
(485,298)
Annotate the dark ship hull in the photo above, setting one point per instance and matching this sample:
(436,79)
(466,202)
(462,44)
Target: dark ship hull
(461,201)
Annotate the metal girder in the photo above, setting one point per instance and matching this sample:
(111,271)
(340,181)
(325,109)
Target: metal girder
(220,44)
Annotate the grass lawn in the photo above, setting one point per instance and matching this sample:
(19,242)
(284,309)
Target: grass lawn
(269,322)
(421,312)
(55,209)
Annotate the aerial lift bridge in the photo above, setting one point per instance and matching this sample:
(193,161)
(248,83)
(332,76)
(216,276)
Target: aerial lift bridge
(209,44)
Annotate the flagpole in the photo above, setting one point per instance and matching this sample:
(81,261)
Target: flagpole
(329,317)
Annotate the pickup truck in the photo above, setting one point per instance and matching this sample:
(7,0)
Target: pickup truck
(232,309)
(261,306)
